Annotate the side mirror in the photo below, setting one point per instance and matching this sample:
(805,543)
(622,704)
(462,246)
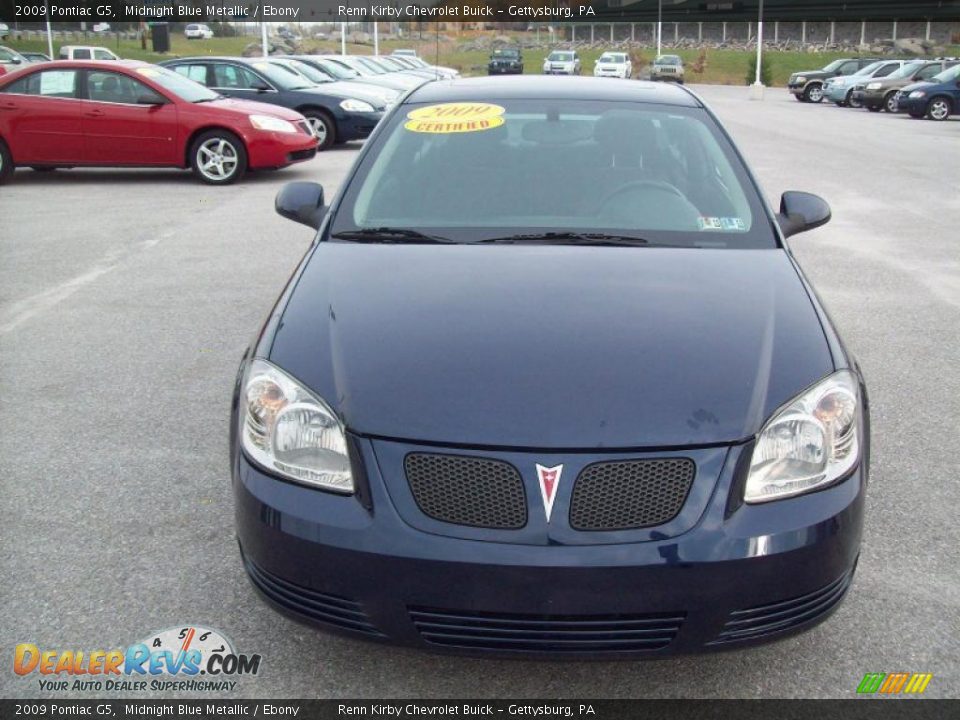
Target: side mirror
(301,202)
(800,211)
(259,86)
(151,99)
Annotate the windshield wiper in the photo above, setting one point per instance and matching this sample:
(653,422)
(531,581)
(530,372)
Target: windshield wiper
(391,235)
(568,238)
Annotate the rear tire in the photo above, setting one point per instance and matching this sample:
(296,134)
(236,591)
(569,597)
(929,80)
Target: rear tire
(322,127)
(852,102)
(813,93)
(218,157)
(6,163)
(938,109)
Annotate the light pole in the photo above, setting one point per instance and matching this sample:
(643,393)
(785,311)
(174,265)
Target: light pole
(756,90)
(659,24)
(263,38)
(376,39)
(343,38)
(46,5)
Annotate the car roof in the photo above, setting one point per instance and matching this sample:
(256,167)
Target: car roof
(105,64)
(551,87)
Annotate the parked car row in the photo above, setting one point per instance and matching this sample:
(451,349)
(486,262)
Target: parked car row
(509,61)
(921,87)
(218,116)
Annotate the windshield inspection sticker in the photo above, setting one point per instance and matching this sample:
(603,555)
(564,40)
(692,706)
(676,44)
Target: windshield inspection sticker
(455,118)
(721,223)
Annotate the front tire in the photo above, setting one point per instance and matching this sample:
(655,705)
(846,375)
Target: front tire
(938,109)
(6,163)
(322,127)
(218,157)
(890,102)
(813,93)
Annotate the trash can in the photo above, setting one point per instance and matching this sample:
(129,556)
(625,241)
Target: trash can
(160,32)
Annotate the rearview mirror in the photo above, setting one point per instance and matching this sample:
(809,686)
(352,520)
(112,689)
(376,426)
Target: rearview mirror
(302,202)
(800,211)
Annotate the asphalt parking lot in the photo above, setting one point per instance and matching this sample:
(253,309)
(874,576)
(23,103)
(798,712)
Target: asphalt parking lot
(128,297)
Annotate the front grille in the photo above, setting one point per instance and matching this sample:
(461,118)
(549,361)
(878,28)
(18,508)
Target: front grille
(779,617)
(630,494)
(467,490)
(302,154)
(546,633)
(328,609)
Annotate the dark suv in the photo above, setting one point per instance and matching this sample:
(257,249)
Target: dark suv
(505,61)
(807,86)
(876,95)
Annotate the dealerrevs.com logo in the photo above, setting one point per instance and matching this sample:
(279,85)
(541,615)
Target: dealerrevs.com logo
(186,658)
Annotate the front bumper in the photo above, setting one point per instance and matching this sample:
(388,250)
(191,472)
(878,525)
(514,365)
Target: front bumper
(277,150)
(503,70)
(716,578)
(913,106)
(835,93)
(869,99)
(357,125)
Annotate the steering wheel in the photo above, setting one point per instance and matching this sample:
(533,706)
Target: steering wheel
(644,202)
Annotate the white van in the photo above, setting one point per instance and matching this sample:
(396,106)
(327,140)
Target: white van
(197,32)
(86,52)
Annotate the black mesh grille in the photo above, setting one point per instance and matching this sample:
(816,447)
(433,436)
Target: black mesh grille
(467,490)
(630,494)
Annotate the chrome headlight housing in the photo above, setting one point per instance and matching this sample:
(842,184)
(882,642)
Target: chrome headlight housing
(272,124)
(291,432)
(801,79)
(808,444)
(354,105)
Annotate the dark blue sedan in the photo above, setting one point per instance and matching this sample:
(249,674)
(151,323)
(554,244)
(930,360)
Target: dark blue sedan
(936,99)
(549,381)
(335,115)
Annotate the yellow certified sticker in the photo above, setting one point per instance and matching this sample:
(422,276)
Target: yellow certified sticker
(455,118)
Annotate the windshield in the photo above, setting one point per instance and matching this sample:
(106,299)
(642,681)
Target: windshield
(561,56)
(907,70)
(614,58)
(869,69)
(505,53)
(476,171)
(368,63)
(178,85)
(279,74)
(835,65)
(947,75)
(339,71)
(310,72)
(668,60)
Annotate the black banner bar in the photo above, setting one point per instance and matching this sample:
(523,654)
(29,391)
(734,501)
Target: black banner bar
(137,709)
(523,11)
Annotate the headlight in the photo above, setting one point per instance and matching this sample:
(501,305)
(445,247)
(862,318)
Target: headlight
(917,94)
(273,124)
(354,105)
(873,86)
(808,444)
(801,79)
(291,432)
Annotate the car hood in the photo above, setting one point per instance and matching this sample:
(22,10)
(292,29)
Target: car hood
(916,86)
(250,107)
(551,346)
(377,94)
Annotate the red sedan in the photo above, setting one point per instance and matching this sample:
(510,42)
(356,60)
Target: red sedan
(129,113)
